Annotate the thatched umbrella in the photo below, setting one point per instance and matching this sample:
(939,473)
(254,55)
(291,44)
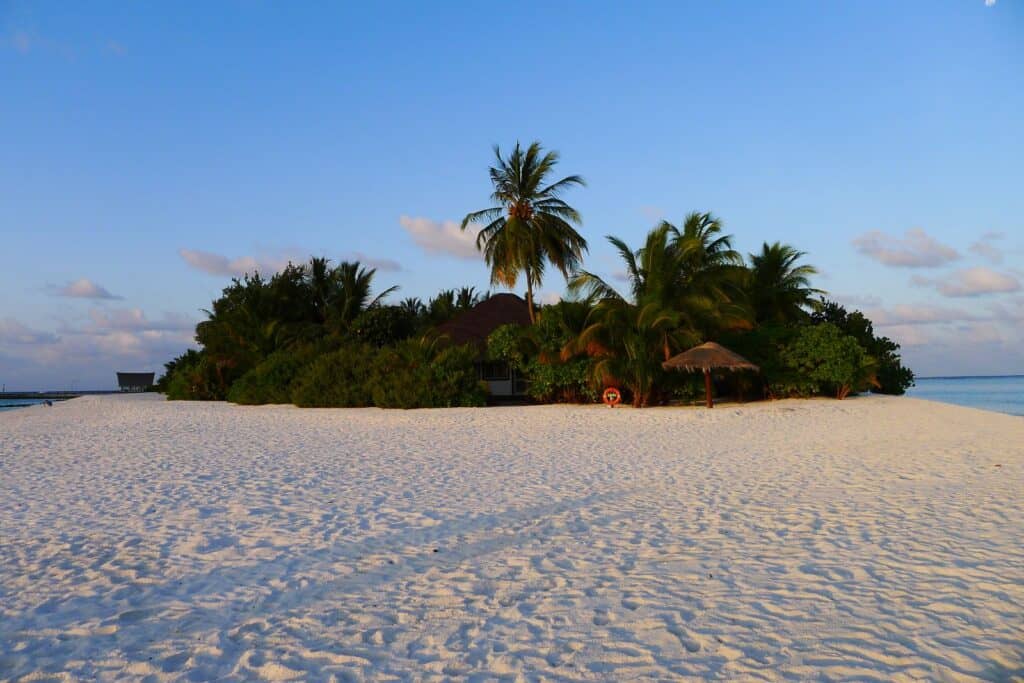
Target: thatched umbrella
(705,357)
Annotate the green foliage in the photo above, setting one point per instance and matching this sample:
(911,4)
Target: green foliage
(271,381)
(384,325)
(832,361)
(338,379)
(509,344)
(778,287)
(892,377)
(196,377)
(531,225)
(562,382)
(189,358)
(634,341)
(425,374)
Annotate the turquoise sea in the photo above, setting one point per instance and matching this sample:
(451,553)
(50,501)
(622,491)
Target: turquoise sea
(1001,394)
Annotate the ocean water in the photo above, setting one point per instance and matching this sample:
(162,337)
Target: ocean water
(1001,394)
(15,403)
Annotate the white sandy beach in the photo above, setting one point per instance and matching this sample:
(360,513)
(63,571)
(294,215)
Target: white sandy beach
(869,539)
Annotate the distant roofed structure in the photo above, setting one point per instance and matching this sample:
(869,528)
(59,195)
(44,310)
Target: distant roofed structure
(134,382)
(475,325)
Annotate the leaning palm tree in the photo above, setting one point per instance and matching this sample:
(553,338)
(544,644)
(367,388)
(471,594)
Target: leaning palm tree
(531,225)
(778,287)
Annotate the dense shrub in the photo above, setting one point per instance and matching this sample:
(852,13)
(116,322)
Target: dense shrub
(535,352)
(196,377)
(385,325)
(335,380)
(834,362)
(271,381)
(892,376)
(561,382)
(424,374)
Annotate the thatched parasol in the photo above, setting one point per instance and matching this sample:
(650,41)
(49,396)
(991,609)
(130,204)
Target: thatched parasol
(706,357)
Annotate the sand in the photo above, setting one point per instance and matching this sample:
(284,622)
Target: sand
(869,539)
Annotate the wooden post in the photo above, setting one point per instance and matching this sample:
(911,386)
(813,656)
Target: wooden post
(707,387)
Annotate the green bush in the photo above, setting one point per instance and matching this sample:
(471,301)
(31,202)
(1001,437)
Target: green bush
(423,374)
(829,360)
(335,380)
(384,325)
(561,382)
(893,377)
(271,381)
(195,377)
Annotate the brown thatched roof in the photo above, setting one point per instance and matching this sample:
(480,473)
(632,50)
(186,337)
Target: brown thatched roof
(474,326)
(708,356)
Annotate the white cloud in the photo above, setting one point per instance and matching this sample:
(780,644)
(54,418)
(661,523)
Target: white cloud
(268,263)
(908,335)
(916,249)
(90,353)
(134,320)
(384,265)
(858,300)
(985,249)
(218,264)
(548,298)
(990,3)
(971,282)
(13,333)
(442,237)
(84,289)
(902,315)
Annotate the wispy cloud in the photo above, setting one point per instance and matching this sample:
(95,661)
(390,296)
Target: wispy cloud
(970,282)
(134,320)
(217,264)
(904,314)
(13,332)
(444,237)
(89,352)
(84,289)
(269,263)
(916,249)
(652,213)
(385,265)
(21,42)
(990,3)
(985,248)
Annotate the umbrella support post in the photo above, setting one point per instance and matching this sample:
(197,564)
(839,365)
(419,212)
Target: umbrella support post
(707,387)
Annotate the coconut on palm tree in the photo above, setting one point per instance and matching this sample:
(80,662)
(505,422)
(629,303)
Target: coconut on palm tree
(531,225)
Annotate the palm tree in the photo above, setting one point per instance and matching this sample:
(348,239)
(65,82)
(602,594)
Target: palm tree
(631,338)
(688,271)
(778,288)
(351,293)
(531,225)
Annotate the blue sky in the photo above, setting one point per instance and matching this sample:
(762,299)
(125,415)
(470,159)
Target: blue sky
(150,151)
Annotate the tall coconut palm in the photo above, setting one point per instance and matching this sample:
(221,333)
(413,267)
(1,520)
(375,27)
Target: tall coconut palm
(531,225)
(778,287)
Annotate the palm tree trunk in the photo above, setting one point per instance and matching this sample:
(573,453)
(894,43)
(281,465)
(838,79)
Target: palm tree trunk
(529,296)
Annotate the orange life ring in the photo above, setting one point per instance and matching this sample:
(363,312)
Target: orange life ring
(611,397)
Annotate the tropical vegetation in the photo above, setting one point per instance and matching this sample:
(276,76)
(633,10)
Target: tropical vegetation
(323,335)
